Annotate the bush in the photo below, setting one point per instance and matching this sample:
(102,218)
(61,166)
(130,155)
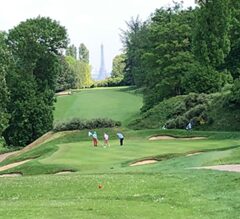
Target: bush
(78,124)
(110,82)
(175,112)
(234,97)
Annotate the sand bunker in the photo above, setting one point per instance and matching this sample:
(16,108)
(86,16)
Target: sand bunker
(11,175)
(64,172)
(143,162)
(9,166)
(63,93)
(230,168)
(166,137)
(192,154)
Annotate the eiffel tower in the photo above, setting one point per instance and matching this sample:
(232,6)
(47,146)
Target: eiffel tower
(102,71)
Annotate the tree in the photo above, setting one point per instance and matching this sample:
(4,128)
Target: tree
(72,51)
(169,58)
(82,72)
(83,53)
(36,45)
(66,78)
(4,96)
(211,42)
(134,41)
(118,66)
(232,62)
(234,96)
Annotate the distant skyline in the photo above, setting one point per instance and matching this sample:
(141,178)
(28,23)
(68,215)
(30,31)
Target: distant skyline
(91,22)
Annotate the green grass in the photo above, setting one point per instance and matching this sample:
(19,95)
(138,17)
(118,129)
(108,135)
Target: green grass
(113,103)
(170,188)
(167,189)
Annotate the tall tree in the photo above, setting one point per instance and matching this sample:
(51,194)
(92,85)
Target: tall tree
(233,58)
(72,51)
(83,53)
(118,66)
(66,78)
(35,45)
(170,57)
(4,96)
(211,42)
(82,72)
(135,41)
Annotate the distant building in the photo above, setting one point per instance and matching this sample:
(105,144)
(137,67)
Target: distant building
(102,74)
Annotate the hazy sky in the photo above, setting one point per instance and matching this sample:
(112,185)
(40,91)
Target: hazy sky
(91,22)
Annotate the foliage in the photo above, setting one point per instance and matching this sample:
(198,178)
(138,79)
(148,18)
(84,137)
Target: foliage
(135,42)
(234,96)
(211,42)
(78,124)
(111,82)
(35,45)
(178,51)
(81,71)
(83,53)
(223,115)
(118,66)
(66,78)
(4,95)
(175,112)
(72,51)
(170,57)
(202,79)
(157,116)
(232,62)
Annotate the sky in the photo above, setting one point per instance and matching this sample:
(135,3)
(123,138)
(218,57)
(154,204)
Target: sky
(92,22)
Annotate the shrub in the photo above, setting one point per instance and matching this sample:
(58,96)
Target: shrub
(78,124)
(234,97)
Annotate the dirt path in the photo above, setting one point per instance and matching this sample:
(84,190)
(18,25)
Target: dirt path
(6,155)
(43,139)
(46,137)
(9,166)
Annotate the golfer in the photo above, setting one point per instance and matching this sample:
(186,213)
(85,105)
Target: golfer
(95,138)
(121,137)
(106,140)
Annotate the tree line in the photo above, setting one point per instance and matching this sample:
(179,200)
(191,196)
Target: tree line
(32,68)
(178,51)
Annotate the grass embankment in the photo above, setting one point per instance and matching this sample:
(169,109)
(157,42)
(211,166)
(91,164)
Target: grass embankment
(208,112)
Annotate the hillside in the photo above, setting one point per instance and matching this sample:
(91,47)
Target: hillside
(207,111)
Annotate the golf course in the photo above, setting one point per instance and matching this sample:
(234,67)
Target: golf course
(155,174)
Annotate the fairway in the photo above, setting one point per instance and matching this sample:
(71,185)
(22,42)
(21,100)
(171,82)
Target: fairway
(146,126)
(113,103)
(99,182)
